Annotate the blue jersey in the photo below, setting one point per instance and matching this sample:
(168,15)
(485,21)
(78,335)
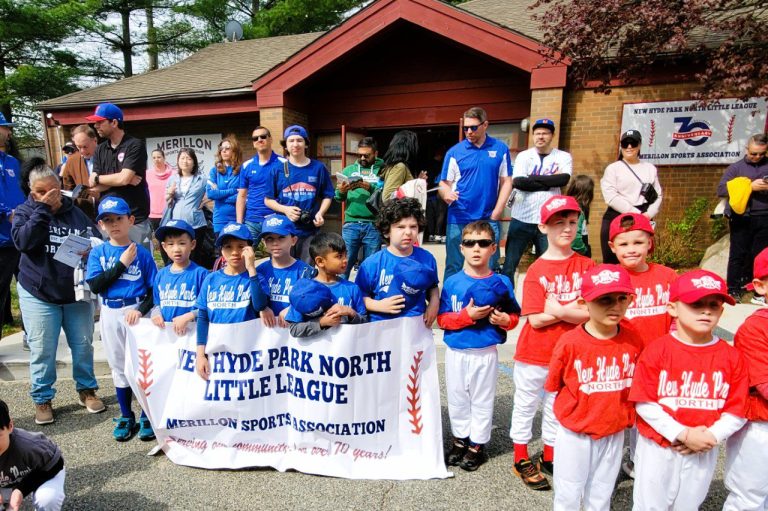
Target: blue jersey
(222,189)
(134,282)
(376,273)
(475,173)
(278,282)
(257,179)
(176,292)
(10,195)
(344,292)
(226,298)
(305,187)
(482,334)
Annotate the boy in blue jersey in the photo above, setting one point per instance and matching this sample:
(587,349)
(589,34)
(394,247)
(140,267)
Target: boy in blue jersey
(329,252)
(230,295)
(278,275)
(122,273)
(477,309)
(178,284)
(399,222)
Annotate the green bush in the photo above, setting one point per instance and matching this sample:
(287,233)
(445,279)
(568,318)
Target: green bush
(681,243)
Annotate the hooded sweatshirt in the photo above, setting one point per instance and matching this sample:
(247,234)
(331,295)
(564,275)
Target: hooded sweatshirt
(156,180)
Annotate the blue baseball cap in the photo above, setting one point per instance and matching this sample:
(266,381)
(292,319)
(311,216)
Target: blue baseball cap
(234,230)
(492,291)
(3,122)
(174,227)
(277,224)
(411,279)
(105,112)
(310,298)
(544,123)
(295,130)
(113,206)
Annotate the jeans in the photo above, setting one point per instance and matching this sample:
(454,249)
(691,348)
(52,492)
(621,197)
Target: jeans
(520,234)
(357,234)
(255,228)
(43,322)
(454,261)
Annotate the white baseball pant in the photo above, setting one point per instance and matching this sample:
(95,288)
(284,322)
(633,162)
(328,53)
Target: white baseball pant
(667,480)
(586,470)
(113,335)
(529,390)
(50,495)
(746,474)
(470,382)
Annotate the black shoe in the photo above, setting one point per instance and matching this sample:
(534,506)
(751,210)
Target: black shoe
(457,452)
(475,457)
(545,467)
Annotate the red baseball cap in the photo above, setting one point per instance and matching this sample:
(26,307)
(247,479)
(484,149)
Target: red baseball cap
(696,284)
(557,204)
(760,268)
(640,223)
(603,279)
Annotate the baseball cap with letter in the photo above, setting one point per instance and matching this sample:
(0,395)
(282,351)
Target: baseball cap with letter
(694,285)
(410,279)
(639,223)
(5,123)
(106,112)
(295,130)
(633,135)
(113,206)
(277,224)
(491,291)
(544,123)
(557,204)
(234,230)
(174,227)
(604,279)
(310,298)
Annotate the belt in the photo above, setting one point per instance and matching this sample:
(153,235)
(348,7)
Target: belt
(119,303)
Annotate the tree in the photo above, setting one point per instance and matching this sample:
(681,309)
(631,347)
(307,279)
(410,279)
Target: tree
(621,39)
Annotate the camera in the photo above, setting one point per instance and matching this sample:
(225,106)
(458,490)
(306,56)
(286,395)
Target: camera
(306,218)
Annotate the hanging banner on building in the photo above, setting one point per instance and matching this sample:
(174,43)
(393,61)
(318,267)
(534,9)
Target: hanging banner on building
(360,401)
(685,133)
(204,145)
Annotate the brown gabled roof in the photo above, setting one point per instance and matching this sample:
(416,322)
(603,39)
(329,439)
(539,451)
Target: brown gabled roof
(512,14)
(220,69)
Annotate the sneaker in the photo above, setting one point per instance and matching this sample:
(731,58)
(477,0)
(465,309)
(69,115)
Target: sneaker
(91,402)
(531,475)
(146,433)
(475,457)
(125,428)
(758,300)
(24,343)
(545,467)
(628,467)
(43,413)
(457,452)
(431,238)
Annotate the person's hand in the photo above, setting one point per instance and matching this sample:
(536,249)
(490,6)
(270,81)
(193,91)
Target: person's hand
(93,193)
(84,254)
(52,199)
(158,321)
(202,366)
(135,181)
(330,319)
(293,213)
(344,186)
(132,317)
(250,259)
(281,322)
(759,185)
(319,220)
(423,175)
(698,439)
(268,318)
(553,307)
(212,185)
(92,180)
(180,323)
(499,318)
(477,313)
(430,315)
(15,501)
(342,310)
(451,197)
(128,255)
(392,304)
(171,192)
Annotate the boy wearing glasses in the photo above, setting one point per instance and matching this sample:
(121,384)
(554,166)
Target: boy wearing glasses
(477,309)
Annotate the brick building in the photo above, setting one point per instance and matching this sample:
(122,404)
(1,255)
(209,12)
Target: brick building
(415,64)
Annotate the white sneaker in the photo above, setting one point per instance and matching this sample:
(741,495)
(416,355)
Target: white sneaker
(758,300)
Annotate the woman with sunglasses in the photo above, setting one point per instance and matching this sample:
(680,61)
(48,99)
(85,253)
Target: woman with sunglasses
(223,182)
(629,186)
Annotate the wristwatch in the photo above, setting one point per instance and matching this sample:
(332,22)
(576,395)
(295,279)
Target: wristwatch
(95,178)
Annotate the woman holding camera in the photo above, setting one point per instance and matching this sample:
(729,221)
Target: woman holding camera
(629,186)
(303,191)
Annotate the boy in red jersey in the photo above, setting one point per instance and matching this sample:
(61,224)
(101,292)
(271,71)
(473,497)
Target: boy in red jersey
(690,390)
(591,372)
(746,476)
(550,303)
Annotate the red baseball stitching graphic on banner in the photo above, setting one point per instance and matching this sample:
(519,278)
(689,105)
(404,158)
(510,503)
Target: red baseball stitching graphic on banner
(414,408)
(653,133)
(730,128)
(145,370)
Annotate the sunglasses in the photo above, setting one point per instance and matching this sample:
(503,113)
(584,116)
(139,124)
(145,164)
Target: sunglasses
(474,128)
(471,243)
(629,143)
(225,148)
(256,138)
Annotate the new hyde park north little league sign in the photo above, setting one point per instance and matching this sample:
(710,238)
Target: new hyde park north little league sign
(685,132)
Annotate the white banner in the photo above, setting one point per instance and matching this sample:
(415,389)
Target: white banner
(361,402)
(684,133)
(204,145)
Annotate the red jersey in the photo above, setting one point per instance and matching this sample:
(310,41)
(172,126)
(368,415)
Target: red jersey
(694,384)
(593,377)
(751,340)
(648,311)
(547,277)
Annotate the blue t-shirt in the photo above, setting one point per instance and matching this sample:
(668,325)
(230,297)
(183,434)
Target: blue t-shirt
(224,196)
(257,179)
(376,274)
(226,298)
(278,282)
(475,172)
(135,281)
(453,299)
(344,292)
(176,292)
(305,188)
(10,195)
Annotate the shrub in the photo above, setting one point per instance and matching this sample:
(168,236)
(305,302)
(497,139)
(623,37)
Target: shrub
(681,243)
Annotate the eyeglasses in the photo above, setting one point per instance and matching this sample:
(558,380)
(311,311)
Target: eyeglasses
(256,138)
(629,143)
(474,128)
(471,243)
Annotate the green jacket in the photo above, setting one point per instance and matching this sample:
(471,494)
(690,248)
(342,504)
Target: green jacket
(355,199)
